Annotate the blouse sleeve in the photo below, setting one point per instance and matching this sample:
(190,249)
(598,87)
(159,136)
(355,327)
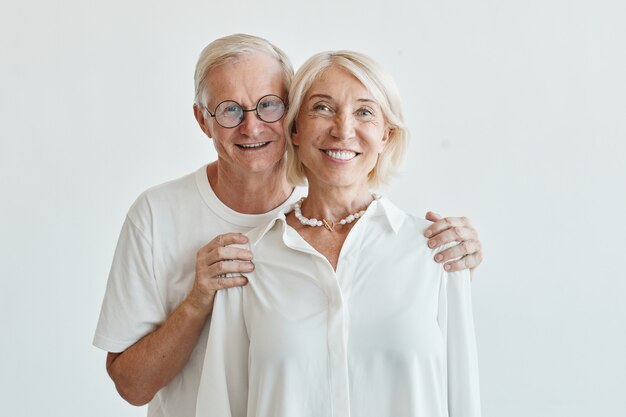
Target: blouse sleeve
(223,390)
(457,323)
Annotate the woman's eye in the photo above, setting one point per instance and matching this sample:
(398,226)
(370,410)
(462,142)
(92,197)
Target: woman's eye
(321,108)
(365,113)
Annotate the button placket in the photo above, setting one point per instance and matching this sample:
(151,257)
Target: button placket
(337,341)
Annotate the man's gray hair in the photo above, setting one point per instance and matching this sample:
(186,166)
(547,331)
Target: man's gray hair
(232,47)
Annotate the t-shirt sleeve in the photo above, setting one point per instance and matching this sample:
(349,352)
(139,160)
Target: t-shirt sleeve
(457,324)
(132,306)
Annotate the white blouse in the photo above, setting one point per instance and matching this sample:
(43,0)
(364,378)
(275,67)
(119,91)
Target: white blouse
(390,333)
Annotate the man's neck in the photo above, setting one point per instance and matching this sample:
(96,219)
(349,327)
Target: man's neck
(248,193)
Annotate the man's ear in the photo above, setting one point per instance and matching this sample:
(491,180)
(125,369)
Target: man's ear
(294,135)
(198,112)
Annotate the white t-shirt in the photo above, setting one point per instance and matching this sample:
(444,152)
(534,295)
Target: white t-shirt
(153,270)
(389,334)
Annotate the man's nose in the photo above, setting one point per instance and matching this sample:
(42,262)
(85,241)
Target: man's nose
(251,124)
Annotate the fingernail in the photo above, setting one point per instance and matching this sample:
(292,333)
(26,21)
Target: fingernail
(431,243)
(428,233)
(447,267)
(438,258)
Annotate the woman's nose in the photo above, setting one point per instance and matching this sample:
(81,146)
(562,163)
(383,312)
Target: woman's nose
(343,128)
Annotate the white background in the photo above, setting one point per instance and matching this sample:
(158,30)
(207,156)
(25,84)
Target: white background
(516,110)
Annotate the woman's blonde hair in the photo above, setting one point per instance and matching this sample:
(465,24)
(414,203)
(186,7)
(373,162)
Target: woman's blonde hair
(378,82)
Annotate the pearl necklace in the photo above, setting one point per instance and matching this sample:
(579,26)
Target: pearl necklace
(328,224)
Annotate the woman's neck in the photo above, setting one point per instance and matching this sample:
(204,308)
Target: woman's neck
(335,203)
(330,206)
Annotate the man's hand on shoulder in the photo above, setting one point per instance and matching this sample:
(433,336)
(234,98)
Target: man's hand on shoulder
(454,229)
(219,266)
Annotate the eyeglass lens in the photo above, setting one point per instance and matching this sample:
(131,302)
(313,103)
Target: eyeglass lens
(269,108)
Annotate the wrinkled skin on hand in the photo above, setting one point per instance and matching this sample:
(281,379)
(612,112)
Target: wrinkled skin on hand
(454,229)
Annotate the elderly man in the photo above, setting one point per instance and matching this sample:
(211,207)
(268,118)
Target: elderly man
(154,319)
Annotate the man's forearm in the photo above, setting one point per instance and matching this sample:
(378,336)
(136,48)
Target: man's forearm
(147,366)
(150,364)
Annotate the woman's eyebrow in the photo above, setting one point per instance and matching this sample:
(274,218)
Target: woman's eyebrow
(327,97)
(324,96)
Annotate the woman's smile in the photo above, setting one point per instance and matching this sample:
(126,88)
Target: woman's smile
(341,155)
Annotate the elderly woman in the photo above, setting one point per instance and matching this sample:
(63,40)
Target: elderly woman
(302,338)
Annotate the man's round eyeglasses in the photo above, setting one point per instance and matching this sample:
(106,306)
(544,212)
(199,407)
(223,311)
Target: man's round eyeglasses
(230,114)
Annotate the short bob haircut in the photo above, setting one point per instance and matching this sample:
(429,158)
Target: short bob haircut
(378,82)
(230,48)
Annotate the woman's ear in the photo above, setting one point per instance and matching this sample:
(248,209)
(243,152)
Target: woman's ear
(387,134)
(385,139)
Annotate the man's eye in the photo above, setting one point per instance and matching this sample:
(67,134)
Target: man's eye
(231,109)
(270,105)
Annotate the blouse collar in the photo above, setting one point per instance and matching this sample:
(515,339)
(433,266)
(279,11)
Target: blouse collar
(382,207)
